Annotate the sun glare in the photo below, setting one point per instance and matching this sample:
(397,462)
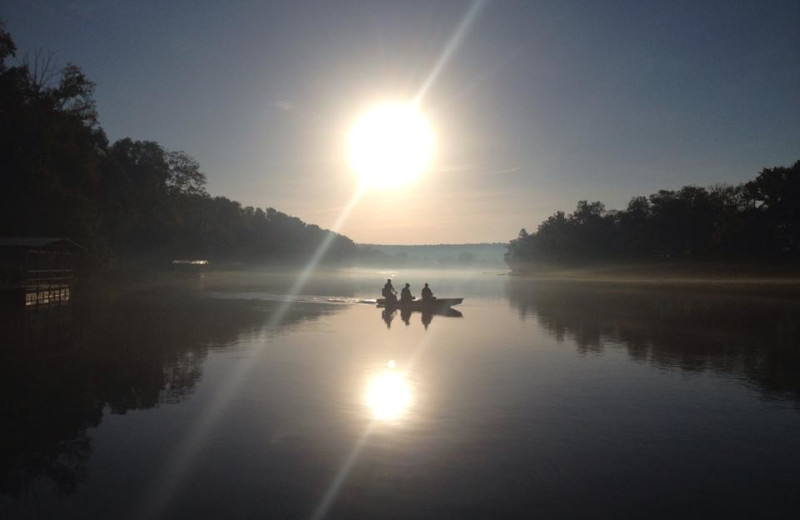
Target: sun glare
(390,145)
(388,394)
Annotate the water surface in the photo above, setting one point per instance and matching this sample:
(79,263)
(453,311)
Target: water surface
(223,396)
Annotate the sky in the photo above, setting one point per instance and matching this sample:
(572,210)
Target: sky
(534,104)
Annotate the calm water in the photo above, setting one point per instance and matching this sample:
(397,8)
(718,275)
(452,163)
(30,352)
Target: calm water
(221,397)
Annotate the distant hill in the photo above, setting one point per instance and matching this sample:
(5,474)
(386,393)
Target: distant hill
(436,255)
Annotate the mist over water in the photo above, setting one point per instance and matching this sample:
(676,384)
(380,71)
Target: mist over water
(559,399)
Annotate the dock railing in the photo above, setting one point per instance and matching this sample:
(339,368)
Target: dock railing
(48,277)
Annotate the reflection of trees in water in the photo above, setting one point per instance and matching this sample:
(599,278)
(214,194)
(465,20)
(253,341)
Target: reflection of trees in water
(749,336)
(45,412)
(123,354)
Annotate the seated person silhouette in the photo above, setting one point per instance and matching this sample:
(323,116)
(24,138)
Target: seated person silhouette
(427,294)
(405,295)
(388,292)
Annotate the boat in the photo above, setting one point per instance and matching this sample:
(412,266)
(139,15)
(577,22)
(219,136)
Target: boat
(436,304)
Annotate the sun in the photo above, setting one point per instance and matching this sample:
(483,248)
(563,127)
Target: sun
(390,145)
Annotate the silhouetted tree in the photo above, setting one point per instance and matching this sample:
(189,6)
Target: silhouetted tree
(760,219)
(775,197)
(52,150)
(131,199)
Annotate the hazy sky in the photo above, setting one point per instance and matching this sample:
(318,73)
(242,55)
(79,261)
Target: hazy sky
(540,104)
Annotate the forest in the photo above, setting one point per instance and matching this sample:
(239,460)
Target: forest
(756,221)
(126,201)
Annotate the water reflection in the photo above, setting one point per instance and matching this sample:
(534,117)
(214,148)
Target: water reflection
(388,393)
(750,336)
(44,328)
(388,315)
(62,369)
(405,315)
(480,418)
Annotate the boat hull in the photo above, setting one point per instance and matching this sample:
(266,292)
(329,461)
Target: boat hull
(421,305)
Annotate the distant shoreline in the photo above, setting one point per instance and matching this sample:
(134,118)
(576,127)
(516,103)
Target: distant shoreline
(671,273)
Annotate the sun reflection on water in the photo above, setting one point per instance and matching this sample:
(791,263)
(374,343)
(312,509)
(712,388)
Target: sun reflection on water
(388,394)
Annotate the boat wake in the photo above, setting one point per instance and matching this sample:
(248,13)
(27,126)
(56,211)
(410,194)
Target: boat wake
(285,298)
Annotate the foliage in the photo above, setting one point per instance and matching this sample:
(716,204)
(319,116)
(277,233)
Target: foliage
(130,199)
(52,153)
(756,220)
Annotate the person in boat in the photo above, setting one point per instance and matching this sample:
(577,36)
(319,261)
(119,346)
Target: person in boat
(388,292)
(405,295)
(427,294)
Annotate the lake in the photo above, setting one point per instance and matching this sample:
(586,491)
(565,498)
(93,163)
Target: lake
(233,395)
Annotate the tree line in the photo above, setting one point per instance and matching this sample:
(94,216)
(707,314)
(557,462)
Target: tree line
(60,176)
(757,220)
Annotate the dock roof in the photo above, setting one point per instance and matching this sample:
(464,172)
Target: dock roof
(30,242)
